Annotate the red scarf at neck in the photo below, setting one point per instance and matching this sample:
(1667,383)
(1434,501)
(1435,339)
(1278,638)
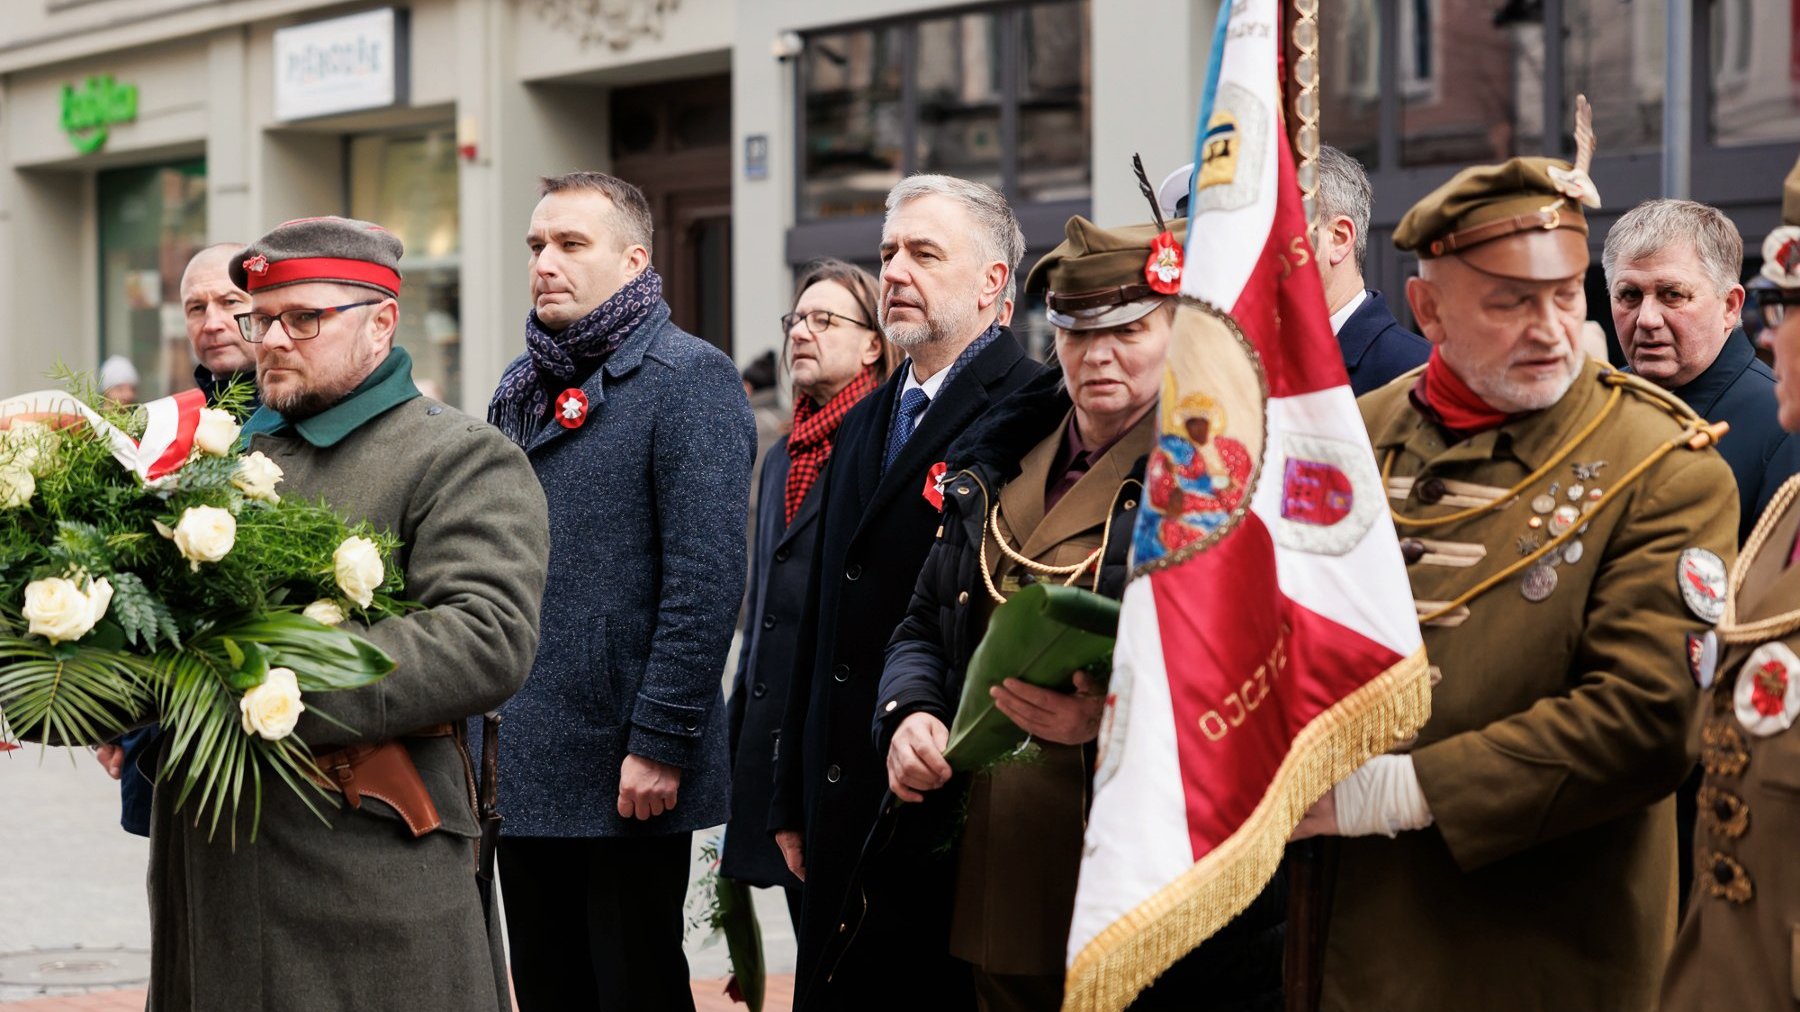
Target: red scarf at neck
(1459,408)
(809,445)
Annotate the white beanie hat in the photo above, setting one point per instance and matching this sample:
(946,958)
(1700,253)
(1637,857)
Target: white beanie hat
(116,370)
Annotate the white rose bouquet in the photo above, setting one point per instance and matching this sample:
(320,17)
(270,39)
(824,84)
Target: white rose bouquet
(150,570)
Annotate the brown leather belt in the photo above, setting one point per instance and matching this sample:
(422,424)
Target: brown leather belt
(384,771)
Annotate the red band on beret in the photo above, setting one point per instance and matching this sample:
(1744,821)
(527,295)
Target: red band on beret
(299,269)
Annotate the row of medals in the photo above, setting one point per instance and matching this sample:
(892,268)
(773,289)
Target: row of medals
(1555,511)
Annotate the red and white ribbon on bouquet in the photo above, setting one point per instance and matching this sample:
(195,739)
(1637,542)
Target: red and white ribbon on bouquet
(169,427)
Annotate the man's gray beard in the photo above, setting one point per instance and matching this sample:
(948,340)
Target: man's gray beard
(1516,399)
(936,329)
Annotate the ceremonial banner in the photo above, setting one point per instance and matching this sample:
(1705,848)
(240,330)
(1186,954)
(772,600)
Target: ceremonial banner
(1268,644)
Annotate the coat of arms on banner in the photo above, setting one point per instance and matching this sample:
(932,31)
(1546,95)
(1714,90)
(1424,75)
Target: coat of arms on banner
(1209,444)
(1230,173)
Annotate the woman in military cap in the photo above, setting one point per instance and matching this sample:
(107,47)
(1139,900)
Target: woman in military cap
(1739,947)
(1046,488)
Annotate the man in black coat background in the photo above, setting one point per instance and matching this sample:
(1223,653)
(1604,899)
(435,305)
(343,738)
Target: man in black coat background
(949,250)
(1374,345)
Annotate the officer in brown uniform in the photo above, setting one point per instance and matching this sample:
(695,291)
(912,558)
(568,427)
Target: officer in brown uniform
(1566,529)
(1740,945)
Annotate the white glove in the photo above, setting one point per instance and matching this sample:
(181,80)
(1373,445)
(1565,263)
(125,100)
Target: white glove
(1382,797)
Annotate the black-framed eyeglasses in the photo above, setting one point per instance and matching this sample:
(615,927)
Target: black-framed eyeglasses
(300,324)
(1773,303)
(818,321)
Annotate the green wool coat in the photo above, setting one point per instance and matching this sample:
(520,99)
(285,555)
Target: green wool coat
(1558,721)
(360,915)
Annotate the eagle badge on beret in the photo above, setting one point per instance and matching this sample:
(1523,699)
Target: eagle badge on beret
(1781,257)
(257,264)
(1163,268)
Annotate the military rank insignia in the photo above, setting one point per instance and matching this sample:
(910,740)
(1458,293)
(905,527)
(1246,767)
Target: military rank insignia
(1701,576)
(1767,697)
(571,408)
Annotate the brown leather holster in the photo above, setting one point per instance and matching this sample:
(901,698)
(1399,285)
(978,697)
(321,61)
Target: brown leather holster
(383,771)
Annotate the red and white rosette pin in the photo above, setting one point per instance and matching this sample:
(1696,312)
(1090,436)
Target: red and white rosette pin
(1163,268)
(1767,696)
(1781,257)
(934,485)
(1701,577)
(571,408)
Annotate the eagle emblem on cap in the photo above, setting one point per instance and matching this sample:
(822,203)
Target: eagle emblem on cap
(257,264)
(1781,257)
(1163,267)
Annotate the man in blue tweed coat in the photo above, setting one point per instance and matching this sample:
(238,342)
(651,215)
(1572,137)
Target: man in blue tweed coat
(616,749)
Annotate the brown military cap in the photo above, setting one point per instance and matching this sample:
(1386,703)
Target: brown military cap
(1095,278)
(1519,219)
(337,250)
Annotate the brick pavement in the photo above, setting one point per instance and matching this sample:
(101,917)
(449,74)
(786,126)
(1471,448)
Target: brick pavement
(708,997)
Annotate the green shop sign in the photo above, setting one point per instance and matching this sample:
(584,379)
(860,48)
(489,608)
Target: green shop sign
(99,103)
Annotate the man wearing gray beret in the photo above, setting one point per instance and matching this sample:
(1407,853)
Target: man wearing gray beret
(380,909)
(616,749)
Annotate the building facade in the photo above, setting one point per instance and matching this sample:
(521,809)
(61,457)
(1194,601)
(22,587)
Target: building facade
(765,133)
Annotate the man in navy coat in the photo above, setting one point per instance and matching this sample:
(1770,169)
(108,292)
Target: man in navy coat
(1375,347)
(949,249)
(1672,270)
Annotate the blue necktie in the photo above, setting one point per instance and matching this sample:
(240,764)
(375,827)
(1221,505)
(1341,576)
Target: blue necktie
(912,405)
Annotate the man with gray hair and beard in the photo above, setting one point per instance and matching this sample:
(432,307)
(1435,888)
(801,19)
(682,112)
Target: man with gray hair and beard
(949,251)
(1672,271)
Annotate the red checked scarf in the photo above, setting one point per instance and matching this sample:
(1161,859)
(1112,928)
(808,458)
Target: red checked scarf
(809,445)
(1459,409)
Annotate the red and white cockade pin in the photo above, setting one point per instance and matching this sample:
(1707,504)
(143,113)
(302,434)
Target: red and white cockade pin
(1766,698)
(571,408)
(257,264)
(1163,268)
(934,485)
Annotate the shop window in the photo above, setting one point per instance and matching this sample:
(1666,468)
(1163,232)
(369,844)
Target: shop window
(406,183)
(1755,58)
(999,95)
(152,221)
(1491,108)
(1614,56)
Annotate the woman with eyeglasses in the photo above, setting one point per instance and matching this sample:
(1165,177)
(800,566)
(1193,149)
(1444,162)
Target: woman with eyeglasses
(836,355)
(1738,947)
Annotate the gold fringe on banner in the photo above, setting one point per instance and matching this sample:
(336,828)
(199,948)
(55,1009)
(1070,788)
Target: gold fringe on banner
(1134,950)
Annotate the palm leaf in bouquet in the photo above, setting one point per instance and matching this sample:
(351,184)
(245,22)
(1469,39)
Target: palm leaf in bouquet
(150,571)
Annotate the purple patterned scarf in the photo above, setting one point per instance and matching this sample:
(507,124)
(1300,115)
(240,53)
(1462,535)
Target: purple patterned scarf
(558,359)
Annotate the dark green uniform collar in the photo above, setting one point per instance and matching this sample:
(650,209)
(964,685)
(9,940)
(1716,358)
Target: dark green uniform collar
(389,386)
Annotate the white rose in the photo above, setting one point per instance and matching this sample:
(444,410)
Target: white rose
(217,433)
(205,534)
(257,477)
(16,485)
(272,708)
(59,610)
(359,569)
(32,446)
(324,611)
